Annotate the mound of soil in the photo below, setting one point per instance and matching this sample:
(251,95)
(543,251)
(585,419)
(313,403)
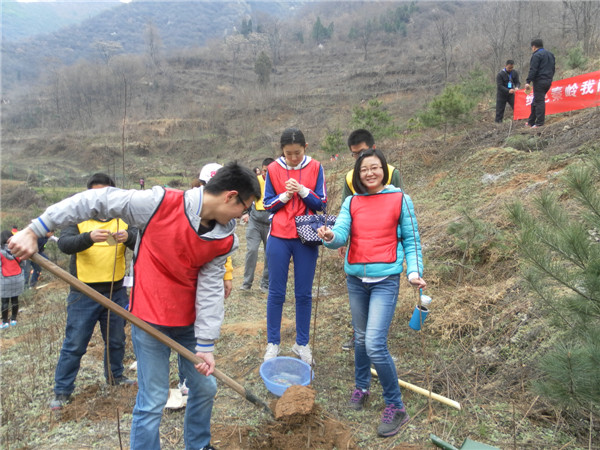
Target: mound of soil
(299,424)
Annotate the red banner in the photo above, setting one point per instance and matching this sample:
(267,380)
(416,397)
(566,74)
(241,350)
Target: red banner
(570,94)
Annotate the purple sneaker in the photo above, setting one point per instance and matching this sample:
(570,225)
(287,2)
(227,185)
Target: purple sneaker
(359,399)
(392,420)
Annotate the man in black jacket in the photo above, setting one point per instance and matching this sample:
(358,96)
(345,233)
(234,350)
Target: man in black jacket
(507,82)
(541,72)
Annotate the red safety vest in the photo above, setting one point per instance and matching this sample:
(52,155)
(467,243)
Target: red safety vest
(374,229)
(10,267)
(283,224)
(170,255)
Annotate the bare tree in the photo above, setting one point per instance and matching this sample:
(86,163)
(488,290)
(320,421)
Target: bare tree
(497,27)
(272,28)
(585,14)
(153,45)
(445,29)
(107,49)
(363,33)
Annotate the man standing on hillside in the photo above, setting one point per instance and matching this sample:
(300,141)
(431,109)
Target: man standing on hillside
(358,141)
(185,238)
(541,72)
(97,249)
(507,82)
(257,231)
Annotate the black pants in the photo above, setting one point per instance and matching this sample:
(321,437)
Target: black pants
(538,105)
(15,308)
(501,101)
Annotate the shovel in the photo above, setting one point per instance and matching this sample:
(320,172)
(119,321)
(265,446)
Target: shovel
(94,295)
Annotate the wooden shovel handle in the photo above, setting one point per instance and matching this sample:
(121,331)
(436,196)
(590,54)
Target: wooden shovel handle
(122,312)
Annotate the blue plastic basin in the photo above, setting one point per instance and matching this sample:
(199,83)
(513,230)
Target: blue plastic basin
(282,372)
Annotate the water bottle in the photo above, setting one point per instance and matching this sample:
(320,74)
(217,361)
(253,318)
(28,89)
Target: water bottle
(420,313)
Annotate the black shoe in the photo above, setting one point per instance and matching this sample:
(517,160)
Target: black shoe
(122,380)
(59,401)
(208,447)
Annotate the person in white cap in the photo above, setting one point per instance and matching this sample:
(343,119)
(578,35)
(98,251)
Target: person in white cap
(207,172)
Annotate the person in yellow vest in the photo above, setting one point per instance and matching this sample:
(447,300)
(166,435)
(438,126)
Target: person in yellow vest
(257,231)
(358,141)
(92,245)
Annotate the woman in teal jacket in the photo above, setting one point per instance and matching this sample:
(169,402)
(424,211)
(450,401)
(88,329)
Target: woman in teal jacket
(381,226)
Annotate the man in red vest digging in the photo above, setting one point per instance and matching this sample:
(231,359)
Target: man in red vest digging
(179,263)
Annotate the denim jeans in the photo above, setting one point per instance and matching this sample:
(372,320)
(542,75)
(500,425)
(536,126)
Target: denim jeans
(279,252)
(82,315)
(257,231)
(373,306)
(153,390)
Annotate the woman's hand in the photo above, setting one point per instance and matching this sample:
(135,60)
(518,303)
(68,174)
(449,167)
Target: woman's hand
(325,233)
(292,186)
(418,282)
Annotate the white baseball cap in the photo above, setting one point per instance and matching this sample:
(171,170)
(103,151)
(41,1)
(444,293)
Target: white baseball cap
(208,171)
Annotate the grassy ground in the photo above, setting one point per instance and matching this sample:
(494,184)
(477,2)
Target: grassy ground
(478,347)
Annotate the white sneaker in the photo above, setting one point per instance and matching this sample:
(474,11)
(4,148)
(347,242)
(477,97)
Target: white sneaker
(303,351)
(183,388)
(272,351)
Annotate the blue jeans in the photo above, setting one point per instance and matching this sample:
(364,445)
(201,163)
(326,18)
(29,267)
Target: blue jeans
(82,315)
(279,252)
(153,390)
(373,306)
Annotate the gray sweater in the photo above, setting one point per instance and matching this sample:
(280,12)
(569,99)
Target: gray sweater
(136,208)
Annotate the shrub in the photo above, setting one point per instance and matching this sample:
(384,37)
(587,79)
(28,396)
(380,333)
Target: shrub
(575,58)
(334,142)
(526,143)
(375,119)
(561,250)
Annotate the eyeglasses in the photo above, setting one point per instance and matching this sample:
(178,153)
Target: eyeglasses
(372,169)
(246,208)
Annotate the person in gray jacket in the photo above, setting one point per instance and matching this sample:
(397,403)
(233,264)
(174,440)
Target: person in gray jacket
(178,268)
(257,231)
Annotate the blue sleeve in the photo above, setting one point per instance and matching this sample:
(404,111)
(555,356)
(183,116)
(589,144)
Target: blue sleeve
(411,241)
(316,200)
(271,200)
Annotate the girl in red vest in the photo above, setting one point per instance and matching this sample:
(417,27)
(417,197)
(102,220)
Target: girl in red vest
(295,185)
(380,222)
(12,282)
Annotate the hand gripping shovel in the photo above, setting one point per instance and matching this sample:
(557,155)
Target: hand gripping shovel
(94,295)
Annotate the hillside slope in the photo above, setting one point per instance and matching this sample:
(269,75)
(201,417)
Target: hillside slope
(479,345)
